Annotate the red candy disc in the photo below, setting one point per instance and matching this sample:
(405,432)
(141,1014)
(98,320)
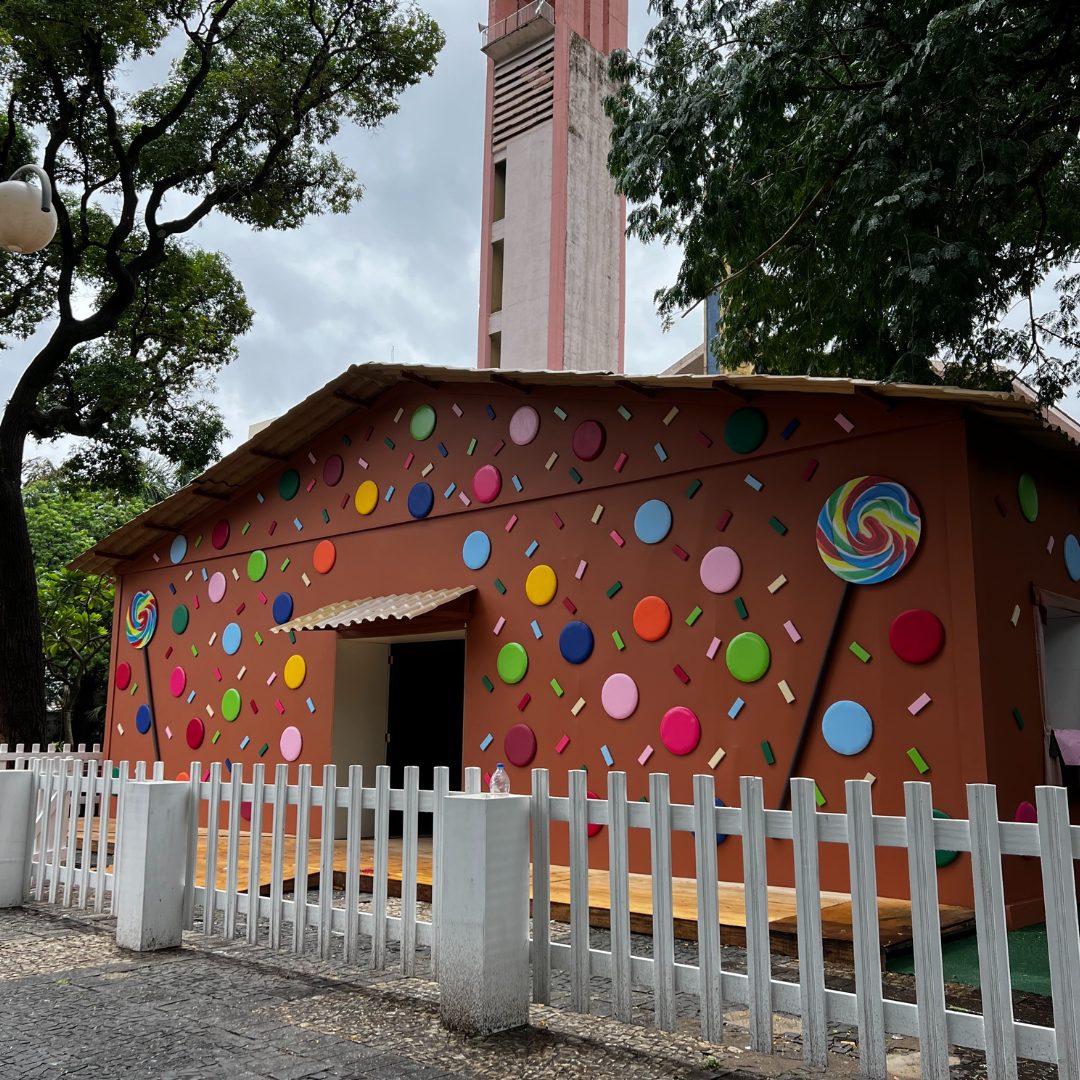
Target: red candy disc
(487,483)
(220,536)
(196,732)
(333,470)
(594,826)
(123,675)
(916,635)
(588,441)
(520,745)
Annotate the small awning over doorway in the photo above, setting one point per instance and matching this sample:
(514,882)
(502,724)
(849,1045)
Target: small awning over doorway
(431,609)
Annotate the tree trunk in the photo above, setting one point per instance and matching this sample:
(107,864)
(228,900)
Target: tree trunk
(67,710)
(22,669)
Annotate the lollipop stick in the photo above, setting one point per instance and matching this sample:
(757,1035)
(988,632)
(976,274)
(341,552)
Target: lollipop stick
(150,702)
(815,694)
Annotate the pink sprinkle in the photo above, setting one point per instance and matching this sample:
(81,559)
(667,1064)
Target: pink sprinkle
(344,501)
(280,707)
(684,555)
(844,422)
(580,572)
(710,652)
(1050,546)
(497,448)
(617,538)
(456,409)
(562,744)
(511,521)
(361,462)
(157,558)
(270,680)
(919,704)
(168,732)
(524,702)
(722,521)
(311,457)
(569,605)
(645,755)
(499,625)
(811,468)
(703,439)
(620,461)
(311,484)
(409,458)
(217,674)
(792,633)
(262,597)
(196,601)
(558,521)
(464,498)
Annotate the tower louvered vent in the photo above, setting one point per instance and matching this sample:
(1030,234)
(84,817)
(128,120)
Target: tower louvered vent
(524,86)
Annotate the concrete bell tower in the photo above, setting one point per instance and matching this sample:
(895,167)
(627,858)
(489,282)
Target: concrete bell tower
(553,250)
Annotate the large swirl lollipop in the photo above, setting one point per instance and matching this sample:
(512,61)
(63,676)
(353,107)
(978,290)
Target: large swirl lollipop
(867,532)
(140,624)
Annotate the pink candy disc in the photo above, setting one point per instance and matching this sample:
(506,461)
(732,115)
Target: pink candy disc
(680,730)
(291,743)
(619,696)
(721,569)
(177,681)
(1026,813)
(524,425)
(487,483)
(215,589)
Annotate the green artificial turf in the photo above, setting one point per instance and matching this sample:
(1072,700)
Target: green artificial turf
(1028,958)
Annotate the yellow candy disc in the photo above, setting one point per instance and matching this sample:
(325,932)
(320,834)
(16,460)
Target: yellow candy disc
(295,671)
(541,584)
(367,495)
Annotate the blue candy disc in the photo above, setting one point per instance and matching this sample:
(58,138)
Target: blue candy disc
(421,500)
(847,727)
(476,550)
(576,642)
(652,522)
(231,637)
(143,719)
(283,607)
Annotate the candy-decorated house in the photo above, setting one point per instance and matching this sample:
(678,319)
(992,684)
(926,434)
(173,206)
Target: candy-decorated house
(729,575)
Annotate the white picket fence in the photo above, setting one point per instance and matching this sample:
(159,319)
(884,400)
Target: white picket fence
(65,861)
(20,757)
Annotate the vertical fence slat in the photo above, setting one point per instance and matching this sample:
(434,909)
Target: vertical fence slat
(277,853)
(254,880)
(864,925)
(440,790)
(118,842)
(663,928)
(60,803)
(75,799)
(926,931)
(195,815)
(140,770)
(472,780)
(541,887)
(995,975)
(352,862)
(300,869)
(382,866)
(87,847)
(213,821)
(619,896)
(232,867)
(326,859)
(808,927)
(708,908)
(103,836)
(579,892)
(756,900)
(1062,931)
(409,858)
(42,828)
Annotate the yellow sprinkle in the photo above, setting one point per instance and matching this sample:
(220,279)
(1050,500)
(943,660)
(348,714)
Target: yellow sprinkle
(235,575)
(869,777)
(213,638)
(778,584)
(671,415)
(789,697)
(426,469)
(597,512)
(578,706)
(551,460)
(1016,615)
(305,579)
(719,756)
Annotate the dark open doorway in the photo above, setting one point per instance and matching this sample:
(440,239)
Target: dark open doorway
(424,714)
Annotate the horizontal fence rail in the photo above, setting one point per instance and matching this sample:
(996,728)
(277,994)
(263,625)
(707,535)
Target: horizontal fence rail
(251,880)
(19,756)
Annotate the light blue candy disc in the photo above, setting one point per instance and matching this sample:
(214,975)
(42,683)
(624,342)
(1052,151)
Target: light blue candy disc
(847,727)
(1072,557)
(652,522)
(476,550)
(178,549)
(231,638)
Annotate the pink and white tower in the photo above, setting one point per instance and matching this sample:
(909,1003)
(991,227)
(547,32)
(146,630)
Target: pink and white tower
(553,251)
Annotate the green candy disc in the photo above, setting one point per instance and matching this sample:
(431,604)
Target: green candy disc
(513,662)
(941,856)
(748,657)
(230,704)
(256,567)
(180,618)
(745,430)
(422,423)
(1028,494)
(289,484)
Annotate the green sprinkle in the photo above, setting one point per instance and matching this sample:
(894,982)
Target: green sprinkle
(326,516)
(617,638)
(693,616)
(559,413)
(346,440)
(818,797)
(693,489)
(198,540)
(500,586)
(489,686)
(557,688)
(740,607)
(246,527)
(471,447)
(285,565)
(292,636)
(1019,719)
(625,413)
(860,652)
(778,525)
(388,443)
(216,736)
(258,638)
(575,475)
(766,749)
(614,589)
(194,651)
(262,749)
(918,760)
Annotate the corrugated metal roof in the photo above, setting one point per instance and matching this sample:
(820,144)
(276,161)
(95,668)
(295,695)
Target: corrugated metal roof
(361,385)
(373,608)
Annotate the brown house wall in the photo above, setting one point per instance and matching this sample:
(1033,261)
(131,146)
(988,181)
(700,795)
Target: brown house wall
(921,445)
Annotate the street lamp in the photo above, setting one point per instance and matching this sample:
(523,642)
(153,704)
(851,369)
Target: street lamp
(27,219)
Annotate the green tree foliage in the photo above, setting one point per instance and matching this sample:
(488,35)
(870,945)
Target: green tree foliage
(872,186)
(137,320)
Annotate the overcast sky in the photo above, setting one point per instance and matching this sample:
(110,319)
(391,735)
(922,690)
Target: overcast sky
(398,276)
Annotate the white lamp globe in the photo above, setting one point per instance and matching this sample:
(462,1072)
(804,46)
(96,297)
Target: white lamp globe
(27,216)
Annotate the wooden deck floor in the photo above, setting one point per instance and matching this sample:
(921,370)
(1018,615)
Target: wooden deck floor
(894,915)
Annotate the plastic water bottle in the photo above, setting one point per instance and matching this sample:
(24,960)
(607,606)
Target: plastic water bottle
(500,782)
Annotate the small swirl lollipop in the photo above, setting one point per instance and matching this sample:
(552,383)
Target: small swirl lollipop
(868,530)
(141,619)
